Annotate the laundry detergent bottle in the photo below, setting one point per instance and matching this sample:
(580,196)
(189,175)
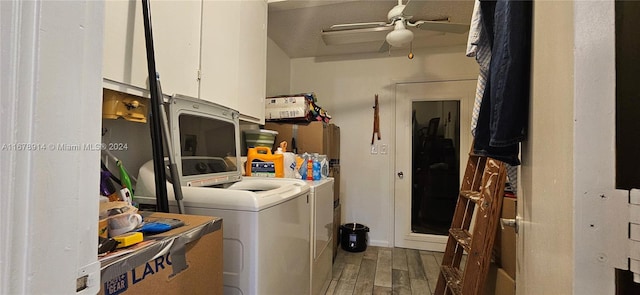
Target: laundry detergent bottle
(289,161)
(261,162)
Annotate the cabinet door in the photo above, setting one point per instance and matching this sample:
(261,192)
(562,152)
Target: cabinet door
(234,55)
(176,38)
(220,47)
(253,60)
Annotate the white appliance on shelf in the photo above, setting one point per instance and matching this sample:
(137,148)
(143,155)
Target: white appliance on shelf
(266,221)
(321,255)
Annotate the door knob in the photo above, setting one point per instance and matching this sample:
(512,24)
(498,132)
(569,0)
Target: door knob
(510,223)
(400,174)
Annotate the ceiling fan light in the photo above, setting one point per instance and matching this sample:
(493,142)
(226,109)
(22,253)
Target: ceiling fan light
(399,37)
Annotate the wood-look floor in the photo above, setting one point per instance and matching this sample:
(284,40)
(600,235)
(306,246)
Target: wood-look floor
(385,271)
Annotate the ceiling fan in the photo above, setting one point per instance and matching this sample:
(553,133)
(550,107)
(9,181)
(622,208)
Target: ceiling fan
(395,32)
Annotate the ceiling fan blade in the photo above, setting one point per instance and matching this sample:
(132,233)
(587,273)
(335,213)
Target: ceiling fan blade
(440,26)
(385,47)
(355,36)
(413,7)
(341,27)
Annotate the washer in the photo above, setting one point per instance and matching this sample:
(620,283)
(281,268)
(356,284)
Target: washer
(266,221)
(266,230)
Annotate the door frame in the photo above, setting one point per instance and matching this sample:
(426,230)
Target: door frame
(403,237)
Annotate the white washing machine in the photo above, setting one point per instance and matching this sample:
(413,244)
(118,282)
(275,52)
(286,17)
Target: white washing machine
(266,230)
(266,221)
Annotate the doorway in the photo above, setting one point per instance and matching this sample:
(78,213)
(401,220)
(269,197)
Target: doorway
(433,137)
(435,168)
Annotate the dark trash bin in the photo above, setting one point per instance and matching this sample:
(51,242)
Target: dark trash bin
(354,237)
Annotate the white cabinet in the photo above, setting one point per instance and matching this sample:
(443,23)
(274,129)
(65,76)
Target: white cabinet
(234,55)
(226,40)
(176,37)
(220,47)
(253,59)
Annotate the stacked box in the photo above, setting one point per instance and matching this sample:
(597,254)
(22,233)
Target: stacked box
(334,171)
(196,266)
(505,243)
(501,278)
(314,137)
(508,239)
(286,107)
(498,282)
(336,228)
(334,144)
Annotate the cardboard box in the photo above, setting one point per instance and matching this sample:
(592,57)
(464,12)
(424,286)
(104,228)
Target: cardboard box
(334,171)
(334,144)
(314,137)
(282,101)
(499,282)
(200,252)
(336,228)
(505,285)
(490,281)
(286,107)
(505,243)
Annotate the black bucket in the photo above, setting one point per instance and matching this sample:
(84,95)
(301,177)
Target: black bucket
(353,237)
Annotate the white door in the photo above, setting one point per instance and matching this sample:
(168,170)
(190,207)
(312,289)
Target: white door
(408,97)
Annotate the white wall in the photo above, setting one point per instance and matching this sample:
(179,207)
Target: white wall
(51,94)
(593,142)
(568,161)
(278,70)
(137,137)
(545,202)
(345,87)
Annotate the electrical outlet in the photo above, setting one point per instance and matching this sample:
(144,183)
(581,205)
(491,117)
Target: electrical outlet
(374,149)
(384,149)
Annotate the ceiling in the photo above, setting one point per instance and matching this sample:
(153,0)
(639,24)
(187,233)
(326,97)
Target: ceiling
(295,25)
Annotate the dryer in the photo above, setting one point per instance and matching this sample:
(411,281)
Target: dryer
(266,221)
(321,250)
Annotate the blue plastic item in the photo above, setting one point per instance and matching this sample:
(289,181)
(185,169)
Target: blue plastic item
(160,226)
(316,170)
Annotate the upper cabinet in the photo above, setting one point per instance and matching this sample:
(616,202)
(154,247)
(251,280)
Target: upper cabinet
(220,46)
(176,38)
(253,59)
(202,49)
(234,55)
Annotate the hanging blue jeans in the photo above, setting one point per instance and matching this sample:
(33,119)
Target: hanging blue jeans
(504,112)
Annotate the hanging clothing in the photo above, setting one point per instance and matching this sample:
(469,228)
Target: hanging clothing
(503,115)
(479,48)
(474,30)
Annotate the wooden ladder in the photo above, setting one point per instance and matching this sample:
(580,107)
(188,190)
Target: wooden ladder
(481,193)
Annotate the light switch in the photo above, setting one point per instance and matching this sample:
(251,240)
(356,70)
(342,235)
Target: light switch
(384,149)
(374,149)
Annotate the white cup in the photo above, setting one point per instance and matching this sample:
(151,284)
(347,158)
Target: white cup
(123,222)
